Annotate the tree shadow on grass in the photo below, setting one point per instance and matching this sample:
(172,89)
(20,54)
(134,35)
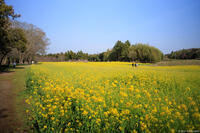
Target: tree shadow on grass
(2,115)
(19,67)
(39,63)
(9,69)
(2,72)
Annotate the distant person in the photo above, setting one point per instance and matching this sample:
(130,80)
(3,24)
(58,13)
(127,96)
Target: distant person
(14,64)
(133,64)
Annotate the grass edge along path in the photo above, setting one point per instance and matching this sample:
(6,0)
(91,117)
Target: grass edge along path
(19,82)
(12,108)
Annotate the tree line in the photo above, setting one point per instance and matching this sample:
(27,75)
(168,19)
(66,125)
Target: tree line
(193,53)
(122,51)
(19,41)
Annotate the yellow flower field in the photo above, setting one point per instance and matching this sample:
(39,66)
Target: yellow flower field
(112,97)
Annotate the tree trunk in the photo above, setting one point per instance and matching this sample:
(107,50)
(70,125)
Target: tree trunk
(8,61)
(29,60)
(20,58)
(2,59)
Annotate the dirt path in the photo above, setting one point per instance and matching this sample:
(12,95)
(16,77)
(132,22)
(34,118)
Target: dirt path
(9,121)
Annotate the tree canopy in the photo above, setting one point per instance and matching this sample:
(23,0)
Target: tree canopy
(193,53)
(19,42)
(6,36)
(121,51)
(144,53)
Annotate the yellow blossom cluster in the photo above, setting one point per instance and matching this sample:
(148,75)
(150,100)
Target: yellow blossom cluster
(112,97)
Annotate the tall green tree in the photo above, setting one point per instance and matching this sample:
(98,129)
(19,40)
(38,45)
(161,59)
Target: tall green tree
(106,55)
(144,53)
(6,13)
(124,52)
(120,51)
(19,41)
(70,55)
(132,54)
(115,55)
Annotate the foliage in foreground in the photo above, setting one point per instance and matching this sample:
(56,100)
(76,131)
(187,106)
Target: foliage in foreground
(112,97)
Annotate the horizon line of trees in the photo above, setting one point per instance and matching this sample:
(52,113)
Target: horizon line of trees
(193,53)
(122,51)
(19,41)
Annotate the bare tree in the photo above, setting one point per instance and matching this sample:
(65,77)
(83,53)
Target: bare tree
(37,41)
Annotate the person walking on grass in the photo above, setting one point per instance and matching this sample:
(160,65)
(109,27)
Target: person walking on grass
(14,64)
